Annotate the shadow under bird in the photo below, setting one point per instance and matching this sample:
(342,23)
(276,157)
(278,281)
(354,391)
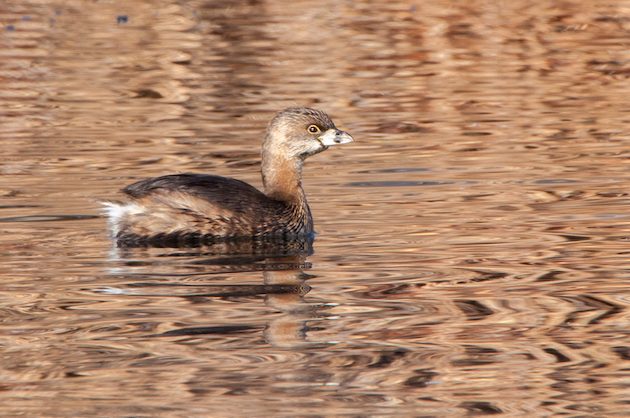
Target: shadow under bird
(199,208)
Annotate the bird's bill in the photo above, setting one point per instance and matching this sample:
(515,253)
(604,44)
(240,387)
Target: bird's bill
(334,137)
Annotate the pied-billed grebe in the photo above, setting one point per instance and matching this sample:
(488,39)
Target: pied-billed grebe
(200,207)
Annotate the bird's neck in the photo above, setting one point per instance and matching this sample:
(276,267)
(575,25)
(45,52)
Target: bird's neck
(282,177)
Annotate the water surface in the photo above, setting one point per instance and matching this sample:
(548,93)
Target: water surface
(473,243)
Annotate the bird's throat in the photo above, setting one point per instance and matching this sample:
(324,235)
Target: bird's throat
(282,177)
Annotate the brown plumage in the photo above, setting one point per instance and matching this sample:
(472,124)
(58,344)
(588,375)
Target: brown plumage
(191,208)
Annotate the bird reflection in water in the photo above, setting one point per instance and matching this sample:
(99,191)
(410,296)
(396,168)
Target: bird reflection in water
(284,284)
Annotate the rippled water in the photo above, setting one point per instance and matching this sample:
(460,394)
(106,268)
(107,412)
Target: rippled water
(472,256)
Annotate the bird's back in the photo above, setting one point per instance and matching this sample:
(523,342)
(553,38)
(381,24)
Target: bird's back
(191,207)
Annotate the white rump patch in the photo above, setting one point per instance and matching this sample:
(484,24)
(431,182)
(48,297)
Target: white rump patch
(117,212)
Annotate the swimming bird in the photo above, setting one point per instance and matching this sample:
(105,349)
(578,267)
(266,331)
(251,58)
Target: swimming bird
(198,208)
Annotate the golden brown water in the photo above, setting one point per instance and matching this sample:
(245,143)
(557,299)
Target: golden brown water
(473,247)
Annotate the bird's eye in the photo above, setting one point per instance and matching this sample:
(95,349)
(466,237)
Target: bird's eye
(313,129)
